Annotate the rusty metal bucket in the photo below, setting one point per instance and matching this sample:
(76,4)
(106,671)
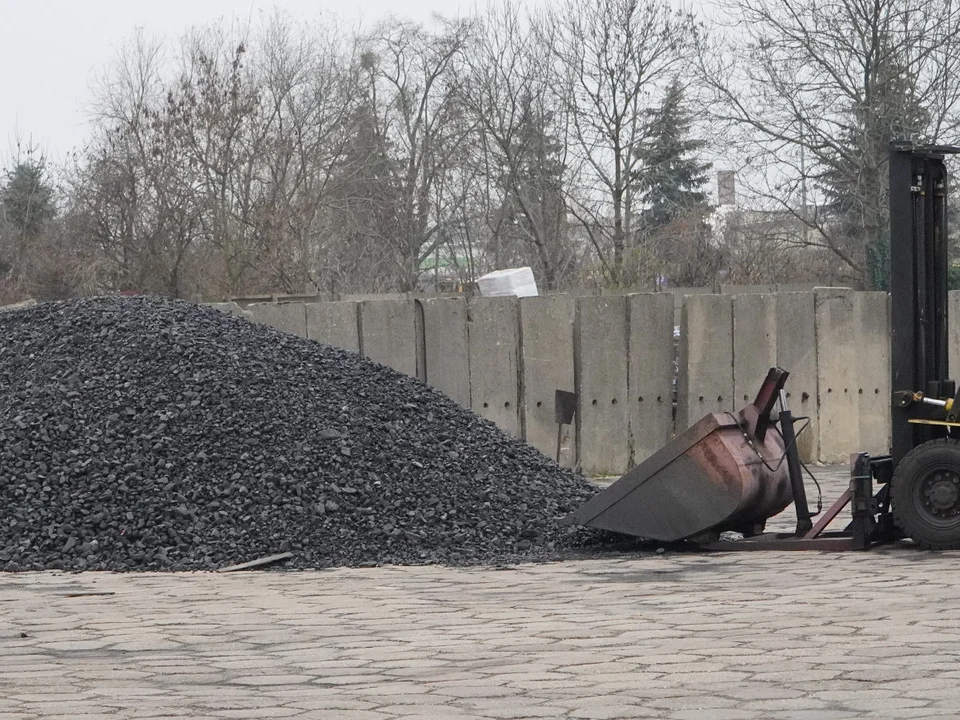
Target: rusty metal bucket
(727,472)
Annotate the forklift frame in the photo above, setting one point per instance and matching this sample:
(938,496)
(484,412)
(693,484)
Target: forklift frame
(918,356)
(716,477)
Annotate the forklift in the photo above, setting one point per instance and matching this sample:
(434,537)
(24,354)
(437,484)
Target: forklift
(731,472)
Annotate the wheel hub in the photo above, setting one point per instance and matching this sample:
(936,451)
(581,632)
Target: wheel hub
(941,494)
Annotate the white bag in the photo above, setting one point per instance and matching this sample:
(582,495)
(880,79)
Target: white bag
(518,282)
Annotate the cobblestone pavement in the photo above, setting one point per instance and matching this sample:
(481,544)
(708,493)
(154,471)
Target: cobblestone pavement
(685,636)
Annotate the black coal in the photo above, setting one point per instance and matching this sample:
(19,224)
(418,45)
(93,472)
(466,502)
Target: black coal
(148,434)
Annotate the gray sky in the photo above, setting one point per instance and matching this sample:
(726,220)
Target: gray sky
(51,50)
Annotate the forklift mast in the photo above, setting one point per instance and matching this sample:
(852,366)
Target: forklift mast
(918,287)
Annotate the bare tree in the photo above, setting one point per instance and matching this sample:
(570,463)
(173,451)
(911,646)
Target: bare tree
(812,92)
(524,139)
(615,58)
(288,157)
(213,117)
(209,175)
(140,205)
(310,80)
(412,82)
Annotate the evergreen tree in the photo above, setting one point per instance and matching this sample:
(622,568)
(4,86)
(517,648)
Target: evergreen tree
(26,199)
(673,237)
(671,184)
(26,209)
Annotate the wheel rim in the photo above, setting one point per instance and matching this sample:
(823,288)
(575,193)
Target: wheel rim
(937,496)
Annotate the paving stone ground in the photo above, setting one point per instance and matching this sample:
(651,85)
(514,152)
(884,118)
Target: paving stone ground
(679,636)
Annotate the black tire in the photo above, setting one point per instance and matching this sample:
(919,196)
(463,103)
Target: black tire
(925,495)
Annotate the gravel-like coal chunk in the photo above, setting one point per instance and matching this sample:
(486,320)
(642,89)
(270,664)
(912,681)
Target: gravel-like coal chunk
(150,434)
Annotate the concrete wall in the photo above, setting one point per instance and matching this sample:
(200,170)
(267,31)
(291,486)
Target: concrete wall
(446,349)
(650,373)
(388,334)
(600,357)
(505,358)
(546,362)
(837,375)
(754,344)
(285,317)
(797,354)
(680,293)
(872,348)
(493,329)
(953,335)
(334,323)
(706,358)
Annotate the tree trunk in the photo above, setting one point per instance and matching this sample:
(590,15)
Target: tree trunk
(618,241)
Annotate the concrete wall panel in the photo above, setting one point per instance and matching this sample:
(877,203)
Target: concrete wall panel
(873,366)
(953,335)
(797,354)
(754,344)
(650,373)
(286,317)
(494,340)
(446,356)
(600,352)
(836,318)
(334,323)
(388,334)
(705,382)
(546,361)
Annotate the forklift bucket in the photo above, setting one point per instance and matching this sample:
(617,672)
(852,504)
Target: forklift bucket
(726,472)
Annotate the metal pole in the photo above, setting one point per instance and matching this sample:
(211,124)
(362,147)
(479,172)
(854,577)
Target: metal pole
(804,522)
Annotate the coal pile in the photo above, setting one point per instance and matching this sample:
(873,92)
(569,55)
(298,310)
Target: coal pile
(148,434)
